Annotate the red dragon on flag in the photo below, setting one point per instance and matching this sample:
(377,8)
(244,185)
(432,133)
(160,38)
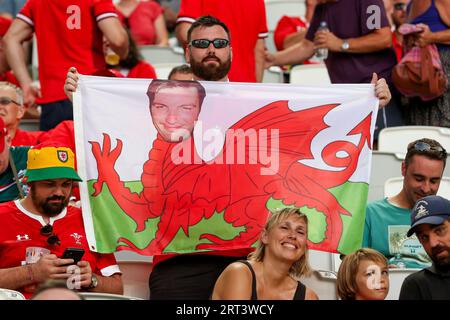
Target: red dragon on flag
(180,194)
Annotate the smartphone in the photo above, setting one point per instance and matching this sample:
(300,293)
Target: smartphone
(73,253)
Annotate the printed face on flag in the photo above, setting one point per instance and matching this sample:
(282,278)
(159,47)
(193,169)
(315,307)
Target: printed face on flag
(174,112)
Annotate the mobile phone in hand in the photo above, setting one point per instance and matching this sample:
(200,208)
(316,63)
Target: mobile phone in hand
(73,253)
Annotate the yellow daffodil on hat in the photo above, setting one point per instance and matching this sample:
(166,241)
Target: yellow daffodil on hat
(47,162)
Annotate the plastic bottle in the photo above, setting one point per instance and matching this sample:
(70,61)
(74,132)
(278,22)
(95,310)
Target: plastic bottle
(322,53)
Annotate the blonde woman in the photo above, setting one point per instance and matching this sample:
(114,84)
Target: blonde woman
(272,270)
(363,275)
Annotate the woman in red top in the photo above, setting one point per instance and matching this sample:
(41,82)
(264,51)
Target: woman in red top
(145,19)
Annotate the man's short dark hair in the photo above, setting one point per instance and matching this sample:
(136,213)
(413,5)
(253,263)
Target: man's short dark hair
(158,84)
(207,21)
(183,69)
(426,147)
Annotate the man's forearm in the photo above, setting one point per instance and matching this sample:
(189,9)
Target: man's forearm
(112,284)
(259,60)
(375,41)
(15,54)
(295,54)
(17,277)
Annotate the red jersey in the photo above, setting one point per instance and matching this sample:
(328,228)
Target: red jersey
(141,21)
(67,35)
(142,70)
(28,138)
(246,21)
(20,229)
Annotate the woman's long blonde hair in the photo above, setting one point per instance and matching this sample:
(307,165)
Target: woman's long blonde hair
(300,267)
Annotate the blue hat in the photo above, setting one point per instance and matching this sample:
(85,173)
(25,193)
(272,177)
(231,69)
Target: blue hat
(431,210)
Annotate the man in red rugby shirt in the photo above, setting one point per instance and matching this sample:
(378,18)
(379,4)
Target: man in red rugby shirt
(68,34)
(44,219)
(246,21)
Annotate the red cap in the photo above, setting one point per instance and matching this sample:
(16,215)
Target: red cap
(286,26)
(4,25)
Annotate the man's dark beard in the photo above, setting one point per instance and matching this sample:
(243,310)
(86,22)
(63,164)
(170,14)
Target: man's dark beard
(49,209)
(442,264)
(210,72)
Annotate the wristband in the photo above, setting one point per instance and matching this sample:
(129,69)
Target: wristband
(30,273)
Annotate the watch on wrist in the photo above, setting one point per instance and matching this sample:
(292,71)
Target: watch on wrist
(345,45)
(94,282)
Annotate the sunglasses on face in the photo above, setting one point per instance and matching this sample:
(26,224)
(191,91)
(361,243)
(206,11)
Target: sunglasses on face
(425,147)
(4,101)
(400,6)
(52,239)
(204,43)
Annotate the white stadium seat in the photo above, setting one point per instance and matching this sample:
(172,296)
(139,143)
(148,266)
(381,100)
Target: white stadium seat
(273,75)
(385,165)
(396,139)
(163,69)
(310,75)
(157,54)
(323,283)
(396,277)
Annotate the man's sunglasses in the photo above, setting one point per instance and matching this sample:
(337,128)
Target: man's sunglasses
(52,238)
(4,101)
(204,43)
(425,147)
(400,6)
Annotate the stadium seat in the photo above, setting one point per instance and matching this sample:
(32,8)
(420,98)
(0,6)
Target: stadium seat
(310,74)
(275,9)
(273,75)
(270,42)
(163,69)
(393,186)
(105,296)
(8,294)
(396,277)
(157,54)
(323,283)
(396,139)
(385,165)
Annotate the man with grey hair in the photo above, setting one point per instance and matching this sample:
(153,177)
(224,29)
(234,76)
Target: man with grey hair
(430,221)
(12,111)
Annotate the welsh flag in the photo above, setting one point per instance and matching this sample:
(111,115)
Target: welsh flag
(196,166)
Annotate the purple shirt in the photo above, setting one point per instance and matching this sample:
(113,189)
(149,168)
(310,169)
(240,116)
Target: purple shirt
(348,19)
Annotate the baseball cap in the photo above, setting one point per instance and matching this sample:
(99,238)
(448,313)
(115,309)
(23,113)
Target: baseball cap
(3,133)
(50,162)
(430,210)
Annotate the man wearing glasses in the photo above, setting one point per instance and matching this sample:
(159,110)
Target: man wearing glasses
(388,220)
(246,21)
(44,219)
(13,162)
(11,111)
